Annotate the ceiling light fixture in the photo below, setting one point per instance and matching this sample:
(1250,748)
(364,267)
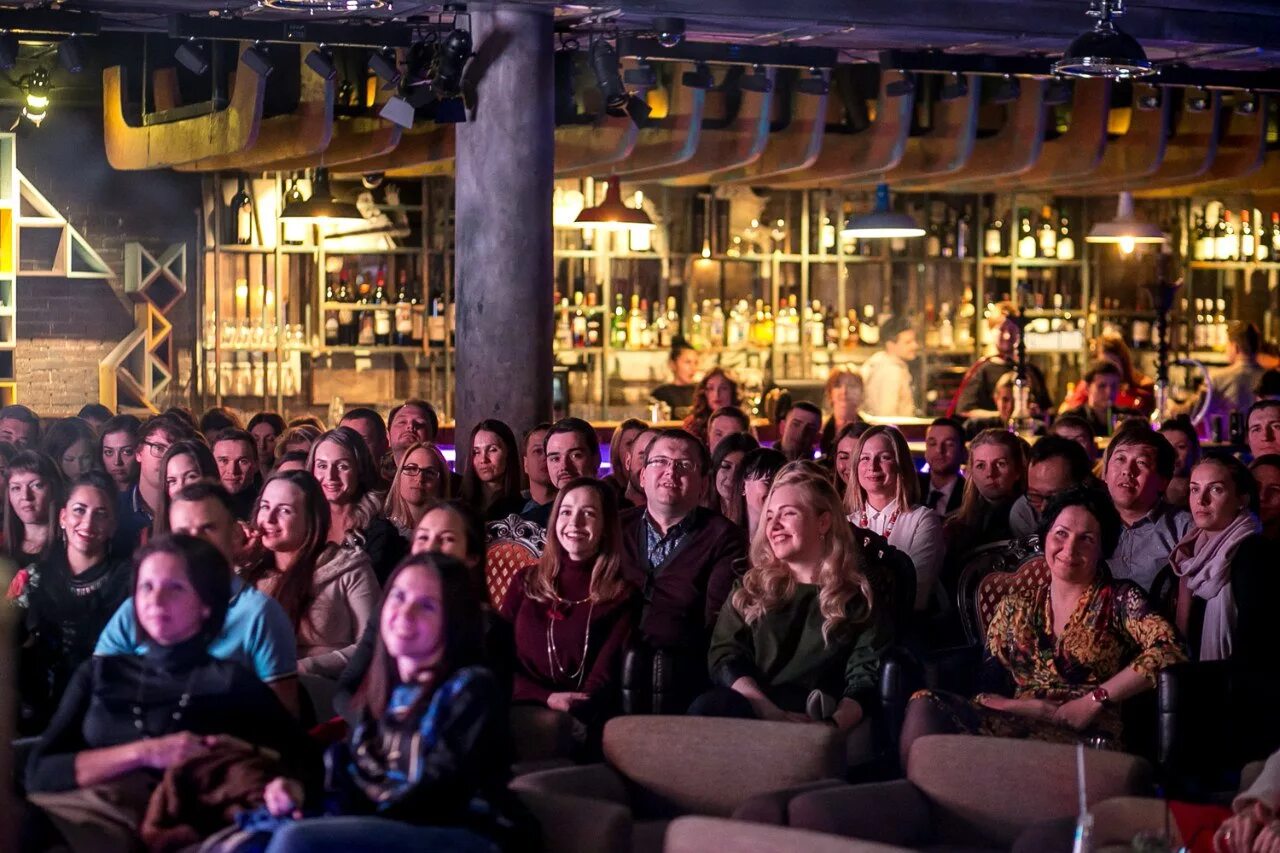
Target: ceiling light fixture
(258,58)
(1126,229)
(323,206)
(192,56)
(451,62)
(384,64)
(617,100)
(699,78)
(35,90)
(320,60)
(882,222)
(956,86)
(642,76)
(757,80)
(815,84)
(71,54)
(611,214)
(1007,90)
(313,6)
(1105,51)
(8,50)
(669,31)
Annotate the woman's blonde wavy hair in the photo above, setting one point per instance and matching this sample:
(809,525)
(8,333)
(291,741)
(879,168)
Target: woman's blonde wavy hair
(768,582)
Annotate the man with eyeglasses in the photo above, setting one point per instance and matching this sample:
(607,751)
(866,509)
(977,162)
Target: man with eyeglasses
(1055,464)
(135,510)
(572,451)
(681,556)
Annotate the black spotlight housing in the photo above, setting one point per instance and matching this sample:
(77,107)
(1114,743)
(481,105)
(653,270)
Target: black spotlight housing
(454,54)
(756,80)
(814,84)
(617,100)
(668,31)
(71,54)
(899,88)
(642,76)
(956,86)
(258,59)
(1007,90)
(192,56)
(320,60)
(384,64)
(8,50)
(699,78)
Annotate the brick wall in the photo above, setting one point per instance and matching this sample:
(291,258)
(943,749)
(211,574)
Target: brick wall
(67,326)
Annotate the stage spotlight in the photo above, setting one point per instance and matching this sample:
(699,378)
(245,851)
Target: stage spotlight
(453,57)
(384,64)
(192,55)
(258,59)
(8,50)
(618,101)
(35,89)
(815,84)
(756,81)
(71,54)
(321,62)
(699,78)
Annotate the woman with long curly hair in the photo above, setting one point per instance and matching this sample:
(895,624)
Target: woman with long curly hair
(802,636)
(715,391)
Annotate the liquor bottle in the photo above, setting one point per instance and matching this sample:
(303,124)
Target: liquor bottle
(737,327)
(933,240)
(618,324)
(1224,238)
(963,235)
(593,321)
(331,327)
(635,324)
(1066,243)
(1200,332)
(815,325)
(1048,234)
(715,330)
(965,319)
(436,323)
(1247,247)
(419,313)
(993,237)
(1220,326)
(762,329)
(698,325)
(646,332)
(869,329)
(1275,235)
(1027,245)
(241,207)
(1198,237)
(789,322)
(403,332)
(946,329)
(381,316)
(672,320)
(931,330)
(348,326)
(578,325)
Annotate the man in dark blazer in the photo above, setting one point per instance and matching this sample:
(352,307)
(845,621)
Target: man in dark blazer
(942,489)
(684,559)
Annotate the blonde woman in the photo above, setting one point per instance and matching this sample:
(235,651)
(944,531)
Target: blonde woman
(421,481)
(801,637)
(883,496)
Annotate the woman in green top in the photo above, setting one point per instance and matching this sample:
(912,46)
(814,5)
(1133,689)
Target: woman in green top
(800,639)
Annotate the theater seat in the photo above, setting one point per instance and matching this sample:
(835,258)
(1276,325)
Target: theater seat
(700,834)
(514,544)
(662,767)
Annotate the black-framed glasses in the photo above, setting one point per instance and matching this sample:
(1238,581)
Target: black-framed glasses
(429,474)
(156,448)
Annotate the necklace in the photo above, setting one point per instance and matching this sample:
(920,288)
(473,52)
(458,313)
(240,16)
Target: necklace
(559,670)
(888,528)
(183,701)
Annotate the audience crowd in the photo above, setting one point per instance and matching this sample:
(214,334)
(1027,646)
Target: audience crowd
(201,599)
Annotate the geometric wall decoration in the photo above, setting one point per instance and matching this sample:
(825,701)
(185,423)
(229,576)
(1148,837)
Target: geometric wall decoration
(140,369)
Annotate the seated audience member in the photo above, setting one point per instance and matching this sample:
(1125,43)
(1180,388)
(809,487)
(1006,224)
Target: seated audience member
(185,462)
(1221,584)
(1078,429)
(297,439)
(1268,387)
(635,466)
(1004,408)
(80,586)
(118,449)
(491,481)
(843,393)
(1137,391)
(679,555)
(1266,473)
(328,591)
(33,500)
(534,462)
(678,394)
(1262,428)
(800,638)
(1233,385)
(573,450)
(1061,657)
(72,444)
(294,460)
(368,425)
(1186,444)
(184,415)
(714,391)
(1102,381)
(884,497)
(341,463)
(95,415)
(420,481)
(886,375)
(751,486)
(411,422)
(266,429)
(7,452)
(725,462)
(20,427)
(426,766)
(1137,468)
(215,420)
(945,454)
(1253,828)
(846,455)
(136,508)
(125,719)
(573,612)
(799,431)
(619,448)
(975,398)
(256,633)
(1053,465)
(310,421)
(997,477)
(724,422)
(236,453)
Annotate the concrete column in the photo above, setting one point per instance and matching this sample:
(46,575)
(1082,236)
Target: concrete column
(504,172)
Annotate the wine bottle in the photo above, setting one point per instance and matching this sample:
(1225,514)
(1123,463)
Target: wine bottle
(993,237)
(1048,234)
(1066,243)
(1247,246)
(403,335)
(382,315)
(331,326)
(348,327)
(1026,238)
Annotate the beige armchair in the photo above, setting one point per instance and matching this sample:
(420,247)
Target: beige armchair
(700,834)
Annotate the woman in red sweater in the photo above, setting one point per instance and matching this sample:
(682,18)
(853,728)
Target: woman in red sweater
(572,612)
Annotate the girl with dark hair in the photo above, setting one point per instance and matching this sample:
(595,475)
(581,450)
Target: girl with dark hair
(573,612)
(751,486)
(125,719)
(715,391)
(118,450)
(426,765)
(678,393)
(491,482)
(341,462)
(1186,443)
(185,462)
(80,588)
(72,444)
(266,428)
(725,462)
(33,499)
(1062,656)
(328,591)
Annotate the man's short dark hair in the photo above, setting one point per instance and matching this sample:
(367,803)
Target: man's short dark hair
(217,419)
(1258,406)
(15,412)
(369,416)
(579,427)
(1140,434)
(894,326)
(687,438)
(1269,384)
(1101,368)
(1056,447)
(203,490)
(730,412)
(174,427)
(1245,336)
(1266,460)
(240,435)
(530,433)
(433,419)
(950,423)
(806,406)
(1076,422)
(94,411)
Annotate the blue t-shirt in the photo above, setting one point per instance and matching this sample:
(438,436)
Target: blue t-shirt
(257,634)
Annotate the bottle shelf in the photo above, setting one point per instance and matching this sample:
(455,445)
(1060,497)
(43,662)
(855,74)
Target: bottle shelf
(1235,265)
(1032,263)
(365,306)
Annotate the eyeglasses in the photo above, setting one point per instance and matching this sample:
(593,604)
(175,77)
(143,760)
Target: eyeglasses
(683,467)
(416,471)
(158,449)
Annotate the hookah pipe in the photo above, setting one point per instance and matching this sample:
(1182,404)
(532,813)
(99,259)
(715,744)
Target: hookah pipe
(1163,292)
(1021,389)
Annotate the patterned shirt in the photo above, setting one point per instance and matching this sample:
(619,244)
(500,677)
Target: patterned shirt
(658,545)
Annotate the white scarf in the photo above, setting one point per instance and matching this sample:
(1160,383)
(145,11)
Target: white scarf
(1203,559)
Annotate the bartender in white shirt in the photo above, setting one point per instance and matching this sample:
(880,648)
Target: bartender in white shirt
(886,377)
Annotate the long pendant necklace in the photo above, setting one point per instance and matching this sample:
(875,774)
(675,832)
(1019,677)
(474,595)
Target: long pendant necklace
(888,528)
(559,670)
(183,701)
